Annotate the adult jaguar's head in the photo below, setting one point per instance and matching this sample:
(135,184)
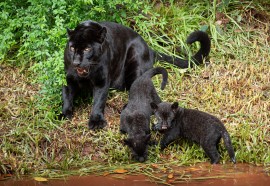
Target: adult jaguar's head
(85,46)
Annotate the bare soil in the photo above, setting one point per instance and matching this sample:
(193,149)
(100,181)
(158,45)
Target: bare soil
(200,174)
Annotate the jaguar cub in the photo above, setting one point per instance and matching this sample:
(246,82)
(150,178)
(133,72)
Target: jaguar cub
(194,125)
(135,117)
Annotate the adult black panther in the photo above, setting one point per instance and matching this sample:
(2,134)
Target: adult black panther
(104,55)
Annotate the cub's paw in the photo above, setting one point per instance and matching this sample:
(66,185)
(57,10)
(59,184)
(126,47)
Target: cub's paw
(96,123)
(153,143)
(162,146)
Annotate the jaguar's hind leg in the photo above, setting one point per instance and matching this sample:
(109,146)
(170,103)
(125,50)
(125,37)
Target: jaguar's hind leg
(212,152)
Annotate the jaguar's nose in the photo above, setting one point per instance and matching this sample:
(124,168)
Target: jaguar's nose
(76,63)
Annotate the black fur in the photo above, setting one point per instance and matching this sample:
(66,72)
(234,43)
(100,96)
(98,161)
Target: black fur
(135,117)
(197,58)
(194,125)
(99,56)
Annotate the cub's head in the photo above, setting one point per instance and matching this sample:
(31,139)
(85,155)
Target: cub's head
(165,114)
(139,136)
(138,145)
(84,46)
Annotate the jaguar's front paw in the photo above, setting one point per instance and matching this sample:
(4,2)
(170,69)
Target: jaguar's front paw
(65,114)
(96,122)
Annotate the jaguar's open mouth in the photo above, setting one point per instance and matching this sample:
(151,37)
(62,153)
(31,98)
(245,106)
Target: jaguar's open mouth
(82,71)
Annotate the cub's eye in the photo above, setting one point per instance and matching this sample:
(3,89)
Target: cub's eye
(72,49)
(87,49)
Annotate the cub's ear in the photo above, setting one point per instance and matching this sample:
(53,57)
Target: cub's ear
(154,106)
(69,32)
(127,142)
(174,107)
(102,34)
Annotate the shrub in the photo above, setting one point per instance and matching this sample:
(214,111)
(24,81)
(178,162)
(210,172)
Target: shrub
(34,34)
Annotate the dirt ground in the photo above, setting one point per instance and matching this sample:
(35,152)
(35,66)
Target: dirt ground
(201,174)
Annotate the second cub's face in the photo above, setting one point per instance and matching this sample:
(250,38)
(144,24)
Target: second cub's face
(165,114)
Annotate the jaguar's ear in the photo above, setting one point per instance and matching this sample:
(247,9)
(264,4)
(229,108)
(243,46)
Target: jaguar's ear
(102,34)
(174,107)
(69,32)
(154,106)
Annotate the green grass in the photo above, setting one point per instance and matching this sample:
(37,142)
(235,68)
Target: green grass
(235,87)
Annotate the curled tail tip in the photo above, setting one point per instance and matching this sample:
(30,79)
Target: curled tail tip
(164,82)
(197,36)
(163,85)
(205,43)
(164,73)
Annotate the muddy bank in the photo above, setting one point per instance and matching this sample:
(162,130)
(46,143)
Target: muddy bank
(201,174)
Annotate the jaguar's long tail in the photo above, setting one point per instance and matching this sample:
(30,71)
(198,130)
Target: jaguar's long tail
(203,52)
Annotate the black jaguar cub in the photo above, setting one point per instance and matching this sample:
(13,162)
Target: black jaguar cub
(135,117)
(104,55)
(194,125)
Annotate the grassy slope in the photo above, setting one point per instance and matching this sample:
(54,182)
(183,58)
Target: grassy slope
(235,87)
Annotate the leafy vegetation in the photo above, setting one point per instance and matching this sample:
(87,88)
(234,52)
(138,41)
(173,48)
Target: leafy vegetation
(234,86)
(38,40)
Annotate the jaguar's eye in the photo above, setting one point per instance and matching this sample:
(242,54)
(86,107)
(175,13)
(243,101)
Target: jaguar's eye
(87,49)
(72,49)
